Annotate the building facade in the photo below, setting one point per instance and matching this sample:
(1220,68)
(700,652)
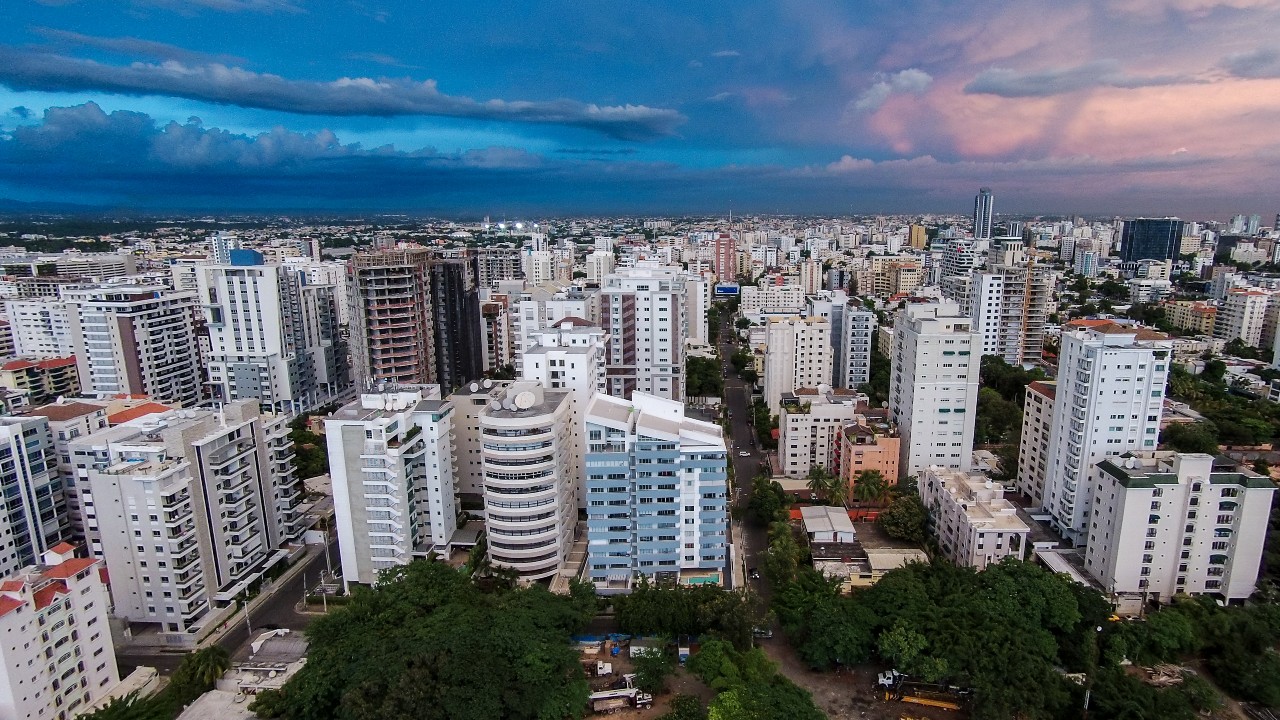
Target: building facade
(799,356)
(643,313)
(975,525)
(35,514)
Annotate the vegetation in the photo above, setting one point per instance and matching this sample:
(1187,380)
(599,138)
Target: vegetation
(429,642)
(870,486)
(676,610)
(768,502)
(194,677)
(713,323)
(905,518)
(749,685)
(685,707)
(765,423)
(877,386)
(703,377)
(833,489)
(311,456)
(1236,420)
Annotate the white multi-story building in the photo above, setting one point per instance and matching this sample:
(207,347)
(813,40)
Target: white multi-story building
(975,525)
(273,336)
(960,256)
(657,493)
(809,429)
(536,308)
(41,328)
(853,367)
(774,298)
(327,273)
(135,340)
(391,460)
(933,386)
(643,310)
(56,654)
(1149,290)
(68,420)
(188,508)
(799,356)
(1166,523)
(810,276)
(697,301)
(599,264)
(35,516)
(1242,316)
(570,356)
(538,266)
(1108,401)
(1009,306)
(528,493)
(1033,450)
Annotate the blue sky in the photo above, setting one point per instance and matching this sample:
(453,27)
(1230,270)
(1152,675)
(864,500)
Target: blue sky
(1108,106)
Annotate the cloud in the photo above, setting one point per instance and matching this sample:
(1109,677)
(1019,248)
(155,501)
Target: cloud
(720,97)
(263,6)
(382,97)
(726,54)
(373,57)
(134,47)
(911,80)
(1259,64)
(1056,81)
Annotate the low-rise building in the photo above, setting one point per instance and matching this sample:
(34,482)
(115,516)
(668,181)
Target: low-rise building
(810,427)
(975,525)
(45,380)
(1167,523)
(56,655)
(868,443)
(1191,316)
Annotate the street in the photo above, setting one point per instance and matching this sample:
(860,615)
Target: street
(741,433)
(276,612)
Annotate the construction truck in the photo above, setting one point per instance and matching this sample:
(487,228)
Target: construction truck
(893,685)
(597,668)
(611,701)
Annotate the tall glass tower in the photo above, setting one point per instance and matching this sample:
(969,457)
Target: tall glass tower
(983,211)
(1150,239)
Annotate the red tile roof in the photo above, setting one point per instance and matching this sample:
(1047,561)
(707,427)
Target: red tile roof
(136,412)
(69,568)
(12,585)
(1049,390)
(8,605)
(65,411)
(45,596)
(63,547)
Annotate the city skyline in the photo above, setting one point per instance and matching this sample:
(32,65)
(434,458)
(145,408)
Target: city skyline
(761,107)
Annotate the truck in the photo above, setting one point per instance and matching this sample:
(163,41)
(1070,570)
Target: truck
(894,685)
(611,701)
(599,668)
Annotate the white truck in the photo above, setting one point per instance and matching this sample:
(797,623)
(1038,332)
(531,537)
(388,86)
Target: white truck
(610,701)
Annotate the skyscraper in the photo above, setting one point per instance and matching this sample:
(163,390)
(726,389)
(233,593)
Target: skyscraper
(1150,239)
(643,311)
(458,330)
(35,516)
(983,212)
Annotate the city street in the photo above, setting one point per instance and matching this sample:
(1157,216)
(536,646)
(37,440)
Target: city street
(277,611)
(741,433)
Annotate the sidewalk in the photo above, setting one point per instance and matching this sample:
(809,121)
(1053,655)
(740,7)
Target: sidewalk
(268,592)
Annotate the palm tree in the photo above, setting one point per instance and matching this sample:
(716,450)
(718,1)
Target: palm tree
(838,491)
(206,665)
(869,486)
(819,482)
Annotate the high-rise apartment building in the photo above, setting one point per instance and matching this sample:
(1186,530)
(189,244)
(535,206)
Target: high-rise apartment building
(391,459)
(57,658)
(135,340)
(537,308)
(496,263)
(657,494)
(529,505)
(1243,316)
(799,356)
(457,326)
(189,508)
(1009,304)
(1154,238)
(42,381)
(933,386)
(983,214)
(1167,523)
(918,237)
(1033,448)
(726,258)
(41,328)
(643,312)
(1108,401)
(35,514)
(273,337)
(68,420)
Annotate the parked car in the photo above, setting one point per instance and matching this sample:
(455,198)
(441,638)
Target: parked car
(744,453)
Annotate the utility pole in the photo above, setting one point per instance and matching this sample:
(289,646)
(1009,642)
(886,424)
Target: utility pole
(246,613)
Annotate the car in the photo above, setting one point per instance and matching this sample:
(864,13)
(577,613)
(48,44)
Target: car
(753,573)
(744,453)
(762,632)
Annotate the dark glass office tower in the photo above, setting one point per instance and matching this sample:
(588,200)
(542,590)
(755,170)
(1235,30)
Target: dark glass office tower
(1150,239)
(983,212)
(458,328)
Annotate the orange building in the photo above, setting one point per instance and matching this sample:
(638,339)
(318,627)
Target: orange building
(869,444)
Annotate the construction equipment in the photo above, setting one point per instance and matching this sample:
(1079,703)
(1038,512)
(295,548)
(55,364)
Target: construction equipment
(894,685)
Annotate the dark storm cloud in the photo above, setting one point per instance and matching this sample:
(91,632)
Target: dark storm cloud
(382,97)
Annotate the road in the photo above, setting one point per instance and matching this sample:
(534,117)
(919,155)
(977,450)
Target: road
(276,612)
(742,439)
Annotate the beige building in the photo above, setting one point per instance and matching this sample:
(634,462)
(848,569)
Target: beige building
(1191,316)
(1037,423)
(810,426)
(799,356)
(975,525)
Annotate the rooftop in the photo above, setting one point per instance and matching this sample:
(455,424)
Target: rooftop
(59,412)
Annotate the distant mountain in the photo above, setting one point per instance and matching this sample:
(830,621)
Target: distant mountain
(18,206)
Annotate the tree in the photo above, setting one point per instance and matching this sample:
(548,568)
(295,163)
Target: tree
(1197,437)
(819,481)
(702,377)
(869,486)
(685,707)
(742,323)
(206,665)
(652,670)
(905,519)
(768,502)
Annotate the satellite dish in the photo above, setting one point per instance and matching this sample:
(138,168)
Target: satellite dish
(525,400)
(496,404)
(488,383)
(508,404)
(475,387)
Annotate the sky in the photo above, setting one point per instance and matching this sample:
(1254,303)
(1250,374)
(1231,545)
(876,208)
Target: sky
(557,107)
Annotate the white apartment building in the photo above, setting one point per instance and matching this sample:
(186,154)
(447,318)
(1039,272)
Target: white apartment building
(68,420)
(1109,399)
(1009,305)
(391,460)
(135,340)
(598,265)
(774,298)
(469,403)
(41,328)
(536,308)
(644,312)
(1165,523)
(56,655)
(188,508)
(975,525)
(657,489)
(570,356)
(810,426)
(810,276)
(799,356)
(1149,290)
(697,298)
(273,337)
(1242,315)
(530,511)
(853,367)
(327,273)
(960,256)
(35,516)
(933,386)
(538,266)
(1033,450)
